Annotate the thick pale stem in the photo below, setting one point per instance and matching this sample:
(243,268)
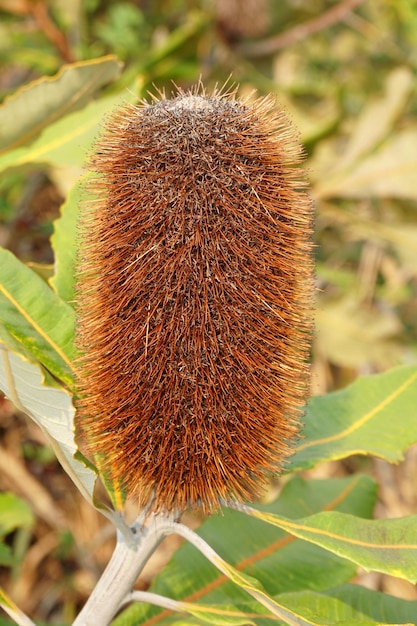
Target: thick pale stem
(128,560)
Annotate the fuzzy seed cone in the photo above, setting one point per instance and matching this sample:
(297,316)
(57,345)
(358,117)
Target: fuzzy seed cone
(194,300)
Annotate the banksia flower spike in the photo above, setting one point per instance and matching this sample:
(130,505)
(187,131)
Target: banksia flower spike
(194,299)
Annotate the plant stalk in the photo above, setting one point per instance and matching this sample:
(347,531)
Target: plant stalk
(125,565)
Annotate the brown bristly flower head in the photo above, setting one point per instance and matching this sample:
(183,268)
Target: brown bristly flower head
(194,299)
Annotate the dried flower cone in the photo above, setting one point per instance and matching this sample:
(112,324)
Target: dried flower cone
(194,299)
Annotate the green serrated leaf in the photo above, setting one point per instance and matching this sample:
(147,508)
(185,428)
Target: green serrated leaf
(67,141)
(36,317)
(351,605)
(63,242)
(52,410)
(37,105)
(387,546)
(375,415)
(381,607)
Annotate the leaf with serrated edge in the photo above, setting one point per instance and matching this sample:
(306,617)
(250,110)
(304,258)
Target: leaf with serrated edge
(52,410)
(63,242)
(387,546)
(40,103)
(374,415)
(35,316)
(67,141)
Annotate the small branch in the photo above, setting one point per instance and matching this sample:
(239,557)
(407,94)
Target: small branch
(117,580)
(114,589)
(155,599)
(299,32)
(39,11)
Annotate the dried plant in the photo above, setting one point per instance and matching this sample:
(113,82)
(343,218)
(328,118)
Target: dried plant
(194,299)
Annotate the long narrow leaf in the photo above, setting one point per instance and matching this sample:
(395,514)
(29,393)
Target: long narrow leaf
(245,582)
(37,105)
(317,608)
(63,242)
(52,410)
(388,546)
(67,141)
(36,317)
(375,415)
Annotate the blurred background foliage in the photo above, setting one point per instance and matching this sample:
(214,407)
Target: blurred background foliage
(345,70)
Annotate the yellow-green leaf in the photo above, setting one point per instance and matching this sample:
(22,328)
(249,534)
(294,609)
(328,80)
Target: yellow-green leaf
(40,103)
(352,604)
(352,335)
(388,546)
(35,316)
(63,242)
(67,141)
(375,415)
(51,408)
(376,120)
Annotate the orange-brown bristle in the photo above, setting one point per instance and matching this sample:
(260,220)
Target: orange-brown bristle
(194,299)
